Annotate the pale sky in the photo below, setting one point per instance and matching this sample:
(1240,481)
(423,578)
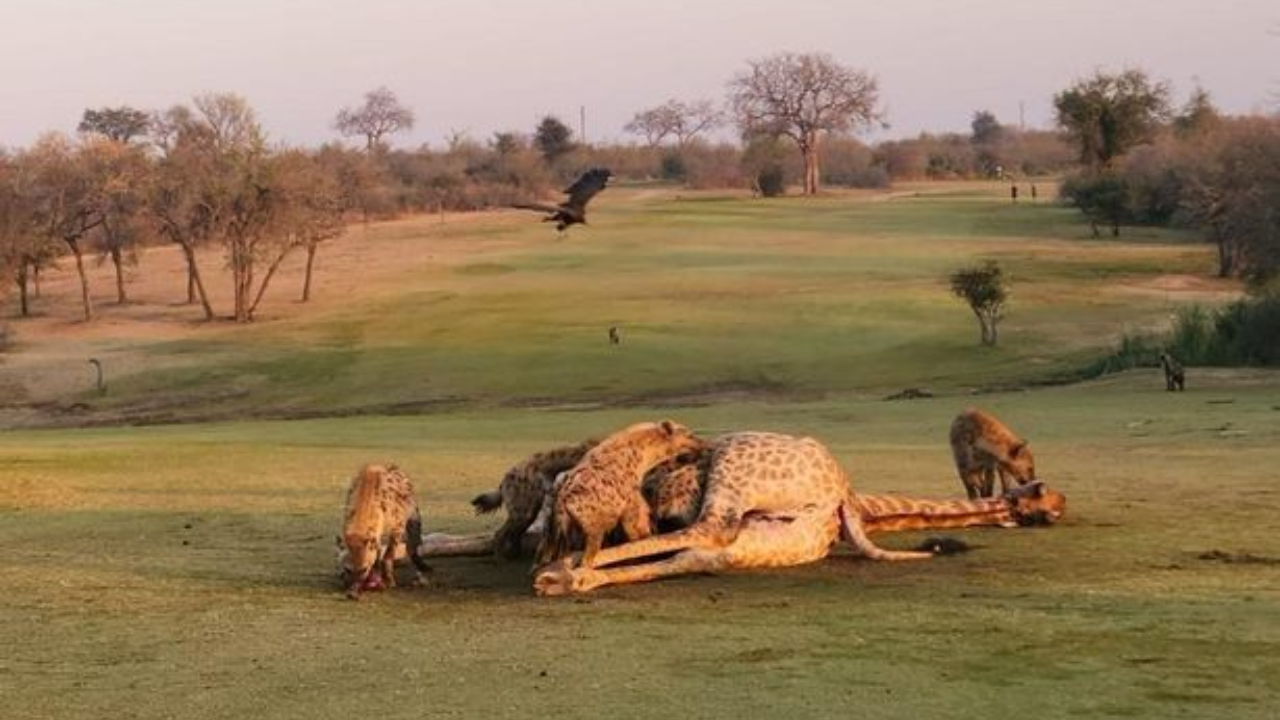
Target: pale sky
(485,65)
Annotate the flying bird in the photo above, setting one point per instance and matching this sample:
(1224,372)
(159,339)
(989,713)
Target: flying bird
(574,210)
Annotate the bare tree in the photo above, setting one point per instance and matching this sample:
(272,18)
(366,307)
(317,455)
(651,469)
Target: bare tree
(176,193)
(308,209)
(802,96)
(119,171)
(380,115)
(66,201)
(675,118)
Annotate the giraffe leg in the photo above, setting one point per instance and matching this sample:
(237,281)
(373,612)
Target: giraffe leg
(704,536)
(688,562)
(442,545)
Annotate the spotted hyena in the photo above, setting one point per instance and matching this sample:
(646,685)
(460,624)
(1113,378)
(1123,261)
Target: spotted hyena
(604,490)
(983,447)
(1175,378)
(524,489)
(381,525)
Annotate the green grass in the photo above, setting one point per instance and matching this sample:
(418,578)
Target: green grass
(791,296)
(187,569)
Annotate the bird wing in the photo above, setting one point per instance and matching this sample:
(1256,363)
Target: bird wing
(540,207)
(586,187)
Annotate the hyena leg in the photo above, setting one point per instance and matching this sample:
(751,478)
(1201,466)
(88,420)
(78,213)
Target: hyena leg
(1005,482)
(637,523)
(389,567)
(972,481)
(988,488)
(594,541)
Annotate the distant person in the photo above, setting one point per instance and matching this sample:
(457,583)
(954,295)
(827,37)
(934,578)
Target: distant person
(1034,194)
(1013,193)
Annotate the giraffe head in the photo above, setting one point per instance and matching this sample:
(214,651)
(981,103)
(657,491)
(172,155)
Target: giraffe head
(1036,504)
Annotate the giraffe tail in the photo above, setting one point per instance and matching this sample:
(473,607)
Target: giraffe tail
(853,533)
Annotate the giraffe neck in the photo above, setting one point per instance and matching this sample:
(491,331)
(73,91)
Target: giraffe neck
(891,513)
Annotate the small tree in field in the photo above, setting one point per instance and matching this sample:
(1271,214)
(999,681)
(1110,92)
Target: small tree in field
(553,138)
(984,288)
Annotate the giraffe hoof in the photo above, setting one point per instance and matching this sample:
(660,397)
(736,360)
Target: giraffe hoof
(554,581)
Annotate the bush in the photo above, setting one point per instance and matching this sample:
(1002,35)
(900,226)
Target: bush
(1246,332)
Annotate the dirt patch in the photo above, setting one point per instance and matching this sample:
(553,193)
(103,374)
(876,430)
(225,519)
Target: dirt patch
(1186,287)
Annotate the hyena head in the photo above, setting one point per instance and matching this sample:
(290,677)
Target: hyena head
(1020,463)
(357,554)
(679,439)
(1036,504)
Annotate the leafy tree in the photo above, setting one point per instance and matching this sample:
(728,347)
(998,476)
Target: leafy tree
(380,115)
(983,287)
(1102,197)
(987,130)
(553,138)
(121,124)
(1198,115)
(802,97)
(1106,115)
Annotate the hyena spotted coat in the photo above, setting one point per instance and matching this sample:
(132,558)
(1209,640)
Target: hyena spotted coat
(603,490)
(984,447)
(524,489)
(381,524)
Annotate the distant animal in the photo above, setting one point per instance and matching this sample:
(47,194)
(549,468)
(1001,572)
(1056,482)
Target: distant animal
(574,210)
(983,447)
(614,338)
(1174,376)
(381,524)
(604,490)
(523,491)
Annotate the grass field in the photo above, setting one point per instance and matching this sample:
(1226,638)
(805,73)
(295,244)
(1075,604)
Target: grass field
(186,570)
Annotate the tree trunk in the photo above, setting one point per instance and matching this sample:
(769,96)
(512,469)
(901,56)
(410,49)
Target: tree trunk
(809,149)
(191,284)
(118,261)
(23,301)
(306,283)
(84,279)
(266,280)
(35,279)
(193,279)
(1226,258)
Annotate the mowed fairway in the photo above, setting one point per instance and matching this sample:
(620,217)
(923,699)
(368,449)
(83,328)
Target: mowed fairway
(187,570)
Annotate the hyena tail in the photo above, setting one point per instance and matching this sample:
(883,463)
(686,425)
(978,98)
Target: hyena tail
(487,502)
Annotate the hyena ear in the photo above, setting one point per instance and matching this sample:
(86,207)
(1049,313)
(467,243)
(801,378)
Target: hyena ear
(1017,449)
(668,428)
(337,540)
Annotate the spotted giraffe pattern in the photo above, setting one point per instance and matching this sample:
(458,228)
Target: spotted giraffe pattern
(770,501)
